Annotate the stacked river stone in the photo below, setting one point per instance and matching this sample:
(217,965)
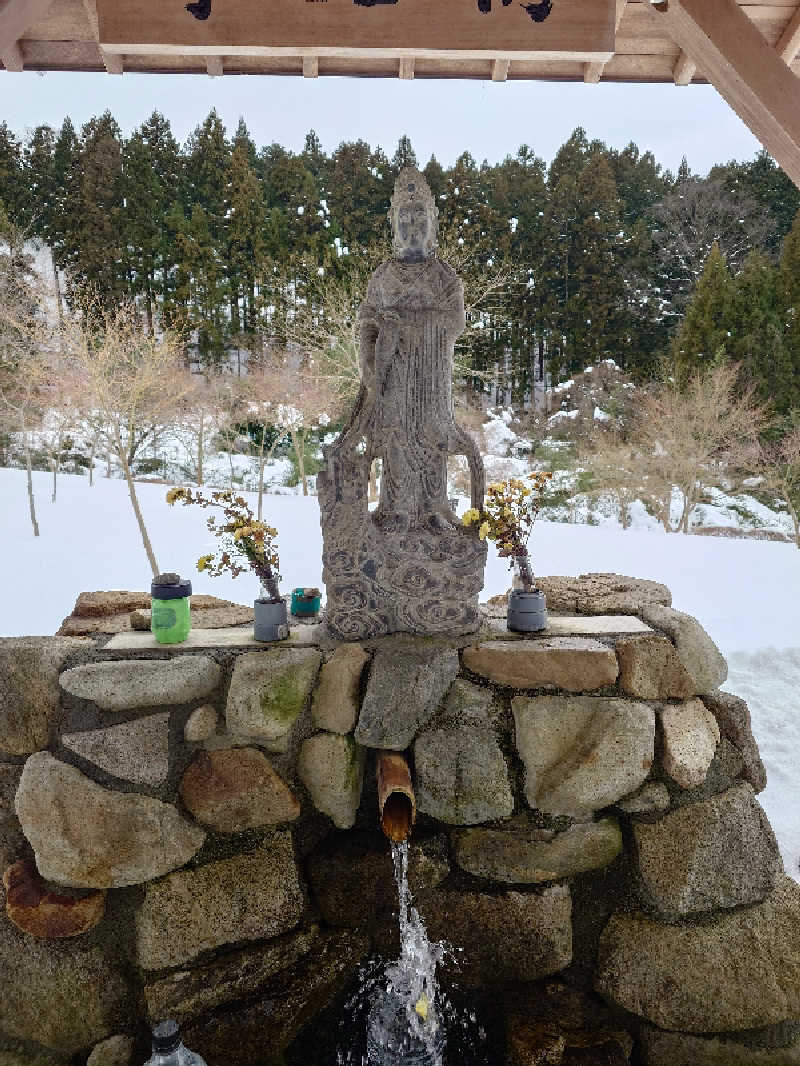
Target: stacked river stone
(192,832)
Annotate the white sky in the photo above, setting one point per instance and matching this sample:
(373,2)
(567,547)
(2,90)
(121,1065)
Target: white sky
(488,119)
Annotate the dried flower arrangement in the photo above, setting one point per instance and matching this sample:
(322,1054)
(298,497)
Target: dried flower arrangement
(507,518)
(242,536)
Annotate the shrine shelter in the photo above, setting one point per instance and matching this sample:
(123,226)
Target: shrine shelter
(748,50)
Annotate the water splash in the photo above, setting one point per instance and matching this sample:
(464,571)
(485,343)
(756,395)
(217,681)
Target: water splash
(404,1015)
(404,1027)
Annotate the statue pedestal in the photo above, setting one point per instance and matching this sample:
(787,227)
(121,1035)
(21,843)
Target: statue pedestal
(379,582)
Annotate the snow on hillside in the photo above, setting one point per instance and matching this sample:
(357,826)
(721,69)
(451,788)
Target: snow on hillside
(744,592)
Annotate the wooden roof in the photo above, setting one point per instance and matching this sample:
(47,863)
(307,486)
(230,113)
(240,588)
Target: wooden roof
(748,49)
(66,35)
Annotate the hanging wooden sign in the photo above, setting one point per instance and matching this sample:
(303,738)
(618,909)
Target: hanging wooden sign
(581,30)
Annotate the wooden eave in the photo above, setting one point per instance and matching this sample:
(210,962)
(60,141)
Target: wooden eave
(747,50)
(66,35)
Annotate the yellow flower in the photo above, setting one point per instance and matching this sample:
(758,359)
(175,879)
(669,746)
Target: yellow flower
(203,562)
(483,530)
(507,512)
(470,516)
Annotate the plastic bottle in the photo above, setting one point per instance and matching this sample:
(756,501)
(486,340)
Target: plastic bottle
(170,617)
(168,1049)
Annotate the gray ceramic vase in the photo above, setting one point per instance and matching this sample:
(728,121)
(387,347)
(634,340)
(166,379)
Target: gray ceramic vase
(271,620)
(527,611)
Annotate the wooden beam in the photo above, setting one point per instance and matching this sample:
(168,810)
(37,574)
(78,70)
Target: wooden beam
(310,66)
(406,71)
(789,44)
(621,5)
(214,66)
(578,30)
(16,17)
(685,70)
(500,69)
(750,75)
(593,72)
(13,58)
(113,62)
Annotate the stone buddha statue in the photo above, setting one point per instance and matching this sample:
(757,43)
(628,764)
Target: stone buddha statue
(417,569)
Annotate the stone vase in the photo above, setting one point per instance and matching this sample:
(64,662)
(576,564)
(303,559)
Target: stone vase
(270,620)
(527,611)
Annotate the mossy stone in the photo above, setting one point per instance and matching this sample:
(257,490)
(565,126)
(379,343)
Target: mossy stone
(268,692)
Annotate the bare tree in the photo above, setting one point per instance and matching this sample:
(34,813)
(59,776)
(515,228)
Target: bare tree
(302,400)
(619,470)
(132,379)
(779,464)
(27,344)
(690,434)
(22,387)
(692,217)
(262,408)
(204,411)
(62,413)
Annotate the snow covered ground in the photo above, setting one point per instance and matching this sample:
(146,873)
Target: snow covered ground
(746,593)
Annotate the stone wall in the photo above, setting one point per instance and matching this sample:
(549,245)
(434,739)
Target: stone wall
(191,832)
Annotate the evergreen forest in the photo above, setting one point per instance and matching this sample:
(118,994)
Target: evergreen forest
(603,254)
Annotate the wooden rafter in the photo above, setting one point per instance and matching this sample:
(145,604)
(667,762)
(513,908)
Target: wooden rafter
(789,44)
(685,69)
(113,62)
(15,18)
(593,72)
(13,58)
(750,75)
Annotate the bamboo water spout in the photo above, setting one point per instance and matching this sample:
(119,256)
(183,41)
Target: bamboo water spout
(397,803)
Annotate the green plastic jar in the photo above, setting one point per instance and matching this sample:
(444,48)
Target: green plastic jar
(170,617)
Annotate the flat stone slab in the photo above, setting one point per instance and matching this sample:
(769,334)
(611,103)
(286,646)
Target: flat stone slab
(575,664)
(189,993)
(128,684)
(136,751)
(741,972)
(578,625)
(230,637)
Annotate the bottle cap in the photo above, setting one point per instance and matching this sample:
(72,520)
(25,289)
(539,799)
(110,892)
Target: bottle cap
(166,1037)
(170,587)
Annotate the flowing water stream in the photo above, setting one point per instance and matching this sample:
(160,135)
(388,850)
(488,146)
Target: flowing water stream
(408,1018)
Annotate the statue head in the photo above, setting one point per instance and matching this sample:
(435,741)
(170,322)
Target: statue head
(414,217)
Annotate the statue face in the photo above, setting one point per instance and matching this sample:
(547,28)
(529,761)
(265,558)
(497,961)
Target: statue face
(413,231)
